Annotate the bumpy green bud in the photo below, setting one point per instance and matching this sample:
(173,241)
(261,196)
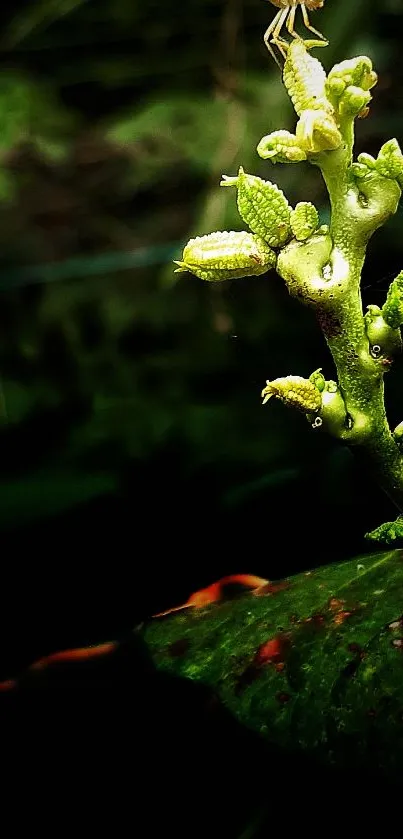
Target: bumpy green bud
(333,415)
(392,310)
(304,78)
(390,161)
(317,378)
(224,256)
(367,161)
(353,101)
(294,391)
(304,220)
(355,72)
(361,169)
(398,435)
(263,206)
(389,533)
(384,340)
(281,147)
(317,131)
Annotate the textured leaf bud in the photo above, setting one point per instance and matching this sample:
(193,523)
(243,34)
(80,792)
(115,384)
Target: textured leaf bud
(390,161)
(281,147)
(304,78)
(294,391)
(356,72)
(317,131)
(353,101)
(263,206)
(389,533)
(304,220)
(392,310)
(225,255)
(317,378)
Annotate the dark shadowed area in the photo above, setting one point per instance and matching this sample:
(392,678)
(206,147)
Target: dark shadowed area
(137,463)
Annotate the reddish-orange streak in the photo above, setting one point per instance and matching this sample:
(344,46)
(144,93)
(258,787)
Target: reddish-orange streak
(214,592)
(198,599)
(78,654)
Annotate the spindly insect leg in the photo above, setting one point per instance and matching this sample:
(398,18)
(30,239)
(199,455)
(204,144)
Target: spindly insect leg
(307,23)
(276,39)
(290,22)
(274,30)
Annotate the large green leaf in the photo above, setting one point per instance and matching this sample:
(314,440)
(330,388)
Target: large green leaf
(314,662)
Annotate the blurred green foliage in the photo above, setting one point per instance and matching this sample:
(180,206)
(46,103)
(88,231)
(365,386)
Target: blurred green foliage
(117,120)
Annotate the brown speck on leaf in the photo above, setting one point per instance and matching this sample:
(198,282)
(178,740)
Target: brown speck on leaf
(283,697)
(335,604)
(317,620)
(178,648)
(246,678)
(356,649)
(271,588)
(340,617)
(351,668)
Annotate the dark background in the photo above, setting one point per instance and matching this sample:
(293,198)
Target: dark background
(137,463)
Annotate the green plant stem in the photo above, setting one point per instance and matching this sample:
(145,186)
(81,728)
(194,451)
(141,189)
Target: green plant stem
(325,273)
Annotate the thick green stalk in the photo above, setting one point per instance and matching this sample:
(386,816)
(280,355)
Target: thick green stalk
(322,267)
(325,273)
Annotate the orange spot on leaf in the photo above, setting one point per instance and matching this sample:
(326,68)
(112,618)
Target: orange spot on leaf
(216,592)
(335,604)
(272,651)
(340,617)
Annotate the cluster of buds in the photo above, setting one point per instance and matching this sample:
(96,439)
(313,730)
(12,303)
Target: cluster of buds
(389,163)
(322,103)
(317,129)
(326,106)
(388,533)
(348,85)
(264,208)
